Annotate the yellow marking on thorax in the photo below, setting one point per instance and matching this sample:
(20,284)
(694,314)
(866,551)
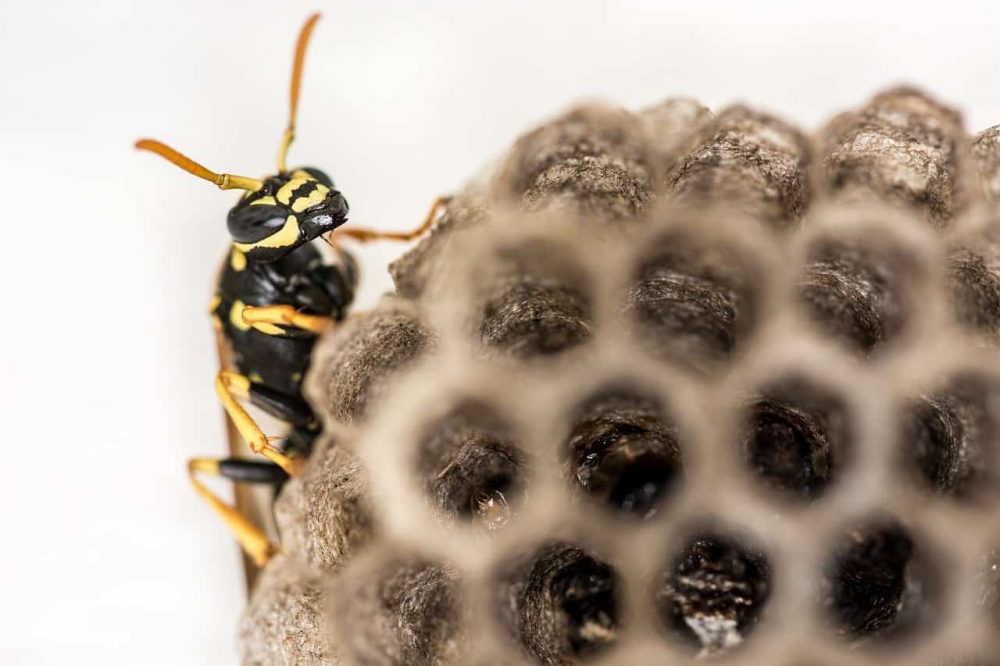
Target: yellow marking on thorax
(297,377)
(236,316)
(287,235)
(214,303)
(264,201)
(315,197)
(237,260)
(284,194)
(256,378)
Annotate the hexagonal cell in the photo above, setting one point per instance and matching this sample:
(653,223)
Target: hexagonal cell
(559,602)
(412,271)
(284,622)
(351,367)
(530,297)
(861,291)
(881,584)
(673,126)
(531,317)
(326,515)
(714,591)
(694,301)
(986,153)
(973,279)
(948,437)
(796,436)
(750,160)
(593,161)
(903,147)
(470,466)
(397,610)
(623,452)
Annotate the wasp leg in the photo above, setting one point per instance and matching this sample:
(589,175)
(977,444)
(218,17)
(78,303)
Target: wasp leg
(232,387)
(251,471)
(253,541)
(366,235)
(267,318)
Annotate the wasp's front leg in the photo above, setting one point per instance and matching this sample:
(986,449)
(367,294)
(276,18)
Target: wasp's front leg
(366,235)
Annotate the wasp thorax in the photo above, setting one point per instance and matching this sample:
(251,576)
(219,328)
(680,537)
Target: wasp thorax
(288,210)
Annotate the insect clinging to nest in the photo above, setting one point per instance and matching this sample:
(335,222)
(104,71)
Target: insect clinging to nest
(275,294)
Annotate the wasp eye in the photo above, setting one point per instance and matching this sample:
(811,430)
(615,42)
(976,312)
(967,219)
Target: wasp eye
(252,223)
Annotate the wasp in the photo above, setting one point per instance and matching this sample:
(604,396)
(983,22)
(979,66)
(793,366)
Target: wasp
(276,293)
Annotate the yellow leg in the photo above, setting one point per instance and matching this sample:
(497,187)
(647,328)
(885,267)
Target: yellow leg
(252,540)
(366,235)
(265,318)
(232,386)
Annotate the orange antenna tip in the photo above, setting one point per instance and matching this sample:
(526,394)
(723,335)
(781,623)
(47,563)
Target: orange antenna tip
(224,181)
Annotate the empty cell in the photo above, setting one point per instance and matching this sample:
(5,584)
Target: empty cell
(559,602)
(796,436)
(948,436)
(880,584)
(860,291)
(694,303)
(973,278)
(532,316)
(469,465)
(623,452)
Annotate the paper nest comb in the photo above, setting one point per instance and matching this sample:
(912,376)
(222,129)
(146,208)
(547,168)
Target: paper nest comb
(666,386)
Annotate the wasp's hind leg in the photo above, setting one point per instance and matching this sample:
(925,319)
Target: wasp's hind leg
(253,541)
(233,387)
(365,235)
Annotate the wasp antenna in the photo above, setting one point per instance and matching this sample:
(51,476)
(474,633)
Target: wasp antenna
(225,181)
(293,106)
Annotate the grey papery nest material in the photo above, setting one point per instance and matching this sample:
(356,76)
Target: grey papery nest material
(986,153)
(904,147)
(396,609)
(352,365)
(749,159)
(665,385)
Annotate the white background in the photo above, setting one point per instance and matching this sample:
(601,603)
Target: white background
(108,255)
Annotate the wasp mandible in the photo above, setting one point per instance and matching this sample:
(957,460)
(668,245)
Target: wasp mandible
(276,293)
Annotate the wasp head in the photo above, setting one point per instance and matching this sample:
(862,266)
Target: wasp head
(289,210)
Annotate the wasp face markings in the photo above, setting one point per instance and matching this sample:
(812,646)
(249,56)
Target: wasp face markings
(288,210)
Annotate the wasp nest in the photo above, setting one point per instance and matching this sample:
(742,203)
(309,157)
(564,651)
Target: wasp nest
(667,385)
